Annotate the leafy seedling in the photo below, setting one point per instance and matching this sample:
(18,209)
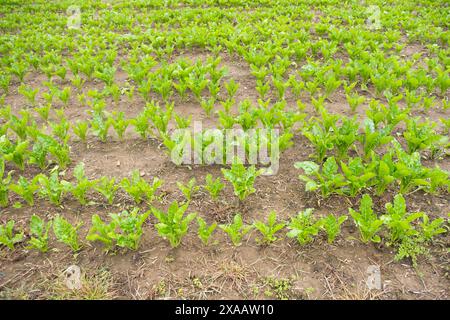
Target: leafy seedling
(66,233)
(367,221)
(39,233)
(173,224)
(269,229)
(7,235)
(304,227)
(205,231)
(236,230)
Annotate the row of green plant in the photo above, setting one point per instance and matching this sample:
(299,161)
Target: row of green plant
(395,169)
(264,55)
(408,233)
(334,134)
(54,188)
(152,121)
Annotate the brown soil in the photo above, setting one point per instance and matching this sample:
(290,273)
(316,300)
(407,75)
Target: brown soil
(316,271)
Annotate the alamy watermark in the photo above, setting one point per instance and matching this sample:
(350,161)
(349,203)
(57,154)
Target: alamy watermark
(222,146)
(374,20)
(74,17)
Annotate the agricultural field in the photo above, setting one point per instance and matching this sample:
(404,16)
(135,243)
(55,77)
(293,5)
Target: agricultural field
(212,149)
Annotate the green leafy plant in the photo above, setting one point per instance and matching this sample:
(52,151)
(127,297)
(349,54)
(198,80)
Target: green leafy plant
(399,221)
(269,229)
(241,178)
(119,123)
(16,153)
(411,174)
(64,95)
(205,231)
(232,87)
(39,233)
(100,124)
(40,151)
(4,184)
(321,138)
(141,123)
(81,129)
(101,231)
(125,229)
(83,184)
(61,152)
(44,111)
(419,136)
(139,188)
(345,136)
(304,227)
(188,189)
(367,221)
(332,226)
(61,129)
(25,189)
(29,93)
(20,125)
(213,186)
(130,226)
(353,99)
(5,81)
(160,118)
(372,137)
(19,69)
(107,187)
(52,188)
(327,179)
(173,225)
(431,228)
(8,237)
(236,230)
(410,241)
(182,122)
(358,175)
(66,233)
(411,247)
(207,105)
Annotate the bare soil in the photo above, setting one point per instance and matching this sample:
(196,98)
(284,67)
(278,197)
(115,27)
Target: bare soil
(316,271)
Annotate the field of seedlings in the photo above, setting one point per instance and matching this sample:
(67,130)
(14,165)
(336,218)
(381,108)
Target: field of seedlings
(224,149)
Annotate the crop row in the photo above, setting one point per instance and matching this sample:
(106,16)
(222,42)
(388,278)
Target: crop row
(408,233)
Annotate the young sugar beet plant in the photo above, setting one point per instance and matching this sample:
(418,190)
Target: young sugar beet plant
(242,179)
(410,241)
(213,186)
(39,230)
(304,227)
(139,189)
(367,221)
(25,189)
(52,188)
(16,153)
(332,226)
(188,189)
(236,230)
(269,229)
(327,179)
(4,184)
(204,230)
(66,233)
(173,224)
(107,187)
(8,237)
(124,230)
(83,184)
